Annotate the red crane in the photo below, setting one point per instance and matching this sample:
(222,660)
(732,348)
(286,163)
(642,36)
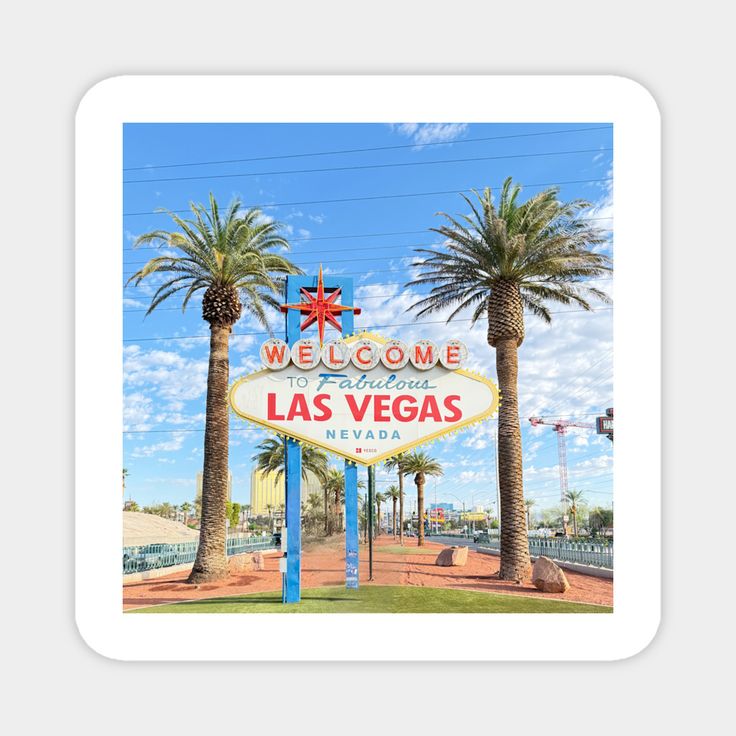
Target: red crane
(561,426)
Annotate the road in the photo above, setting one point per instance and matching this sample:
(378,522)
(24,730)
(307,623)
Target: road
(457,541)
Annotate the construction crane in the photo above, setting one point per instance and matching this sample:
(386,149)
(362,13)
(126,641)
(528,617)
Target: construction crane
(561,426)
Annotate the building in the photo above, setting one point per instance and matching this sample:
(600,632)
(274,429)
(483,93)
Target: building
(268,490)
(229,487)
(446,506)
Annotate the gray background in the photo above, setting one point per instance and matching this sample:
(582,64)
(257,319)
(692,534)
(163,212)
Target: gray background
(52,53)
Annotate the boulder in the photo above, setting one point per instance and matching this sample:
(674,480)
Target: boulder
(452,557)
(548,577)
(240,563)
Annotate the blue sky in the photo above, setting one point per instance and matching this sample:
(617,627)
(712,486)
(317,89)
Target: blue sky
(565,370)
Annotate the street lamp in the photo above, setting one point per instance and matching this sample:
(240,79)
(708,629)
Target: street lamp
(462,502)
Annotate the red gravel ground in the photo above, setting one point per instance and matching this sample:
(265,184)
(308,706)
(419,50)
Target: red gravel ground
(324,564)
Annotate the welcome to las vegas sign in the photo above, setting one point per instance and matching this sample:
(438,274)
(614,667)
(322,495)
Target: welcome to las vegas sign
(364,398)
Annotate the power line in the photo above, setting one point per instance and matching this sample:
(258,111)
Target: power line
(586,386)
(338,237)
(364,150)
(371,197)
(362,298)
(363,167)
(300,252)
(337,260)
(357,329)
(573,379)
(196,301)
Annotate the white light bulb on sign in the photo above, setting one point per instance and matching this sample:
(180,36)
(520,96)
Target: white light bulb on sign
(453,354)
(275,354)
(424,355)
(395,354)
(305,353)
(366,355)
(336,354)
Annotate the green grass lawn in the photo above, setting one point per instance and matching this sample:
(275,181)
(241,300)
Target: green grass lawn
(380,599)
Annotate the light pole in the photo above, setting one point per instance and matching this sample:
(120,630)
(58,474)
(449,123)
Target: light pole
(463,503)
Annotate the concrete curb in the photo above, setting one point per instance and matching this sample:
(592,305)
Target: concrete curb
(598,572)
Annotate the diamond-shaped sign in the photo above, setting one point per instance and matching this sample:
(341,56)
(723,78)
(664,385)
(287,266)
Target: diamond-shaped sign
(364,415)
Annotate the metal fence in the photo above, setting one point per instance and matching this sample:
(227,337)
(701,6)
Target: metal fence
(597,554)
(153,556)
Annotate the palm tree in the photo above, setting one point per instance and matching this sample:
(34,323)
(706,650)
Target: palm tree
(420,465)
(272,457)
(573,499)
(393,493)
(334,487)
(528,503)
(380,498)
(229,257)
(499,260)
(185,508)
(166,510)
(395,463)
(125,475)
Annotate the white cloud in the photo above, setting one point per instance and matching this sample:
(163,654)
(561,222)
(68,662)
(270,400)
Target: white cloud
(169,445)
(423,133)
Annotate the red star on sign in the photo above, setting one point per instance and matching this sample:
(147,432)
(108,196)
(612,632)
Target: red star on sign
(320,309)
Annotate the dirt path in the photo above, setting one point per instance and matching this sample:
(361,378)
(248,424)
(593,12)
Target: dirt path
(324,565)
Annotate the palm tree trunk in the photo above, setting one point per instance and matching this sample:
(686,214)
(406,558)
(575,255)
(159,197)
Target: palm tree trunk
(327,514)
(515,561)
(420,512)
(211,561)
(401,508)
(393,517)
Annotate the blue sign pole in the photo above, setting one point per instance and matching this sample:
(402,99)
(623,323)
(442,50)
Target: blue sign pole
(293,468)
(351,525)
(293,454)
(351,470)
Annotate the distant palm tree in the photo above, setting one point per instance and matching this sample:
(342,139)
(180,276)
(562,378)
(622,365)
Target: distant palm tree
(272,457)
(229,257)
(573,499)
(420,465)
(185,508)
(529,502)
(395,463)
(334,487)
(380,498)
(125,475)
(167,511)
(497,261)
(394,494)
